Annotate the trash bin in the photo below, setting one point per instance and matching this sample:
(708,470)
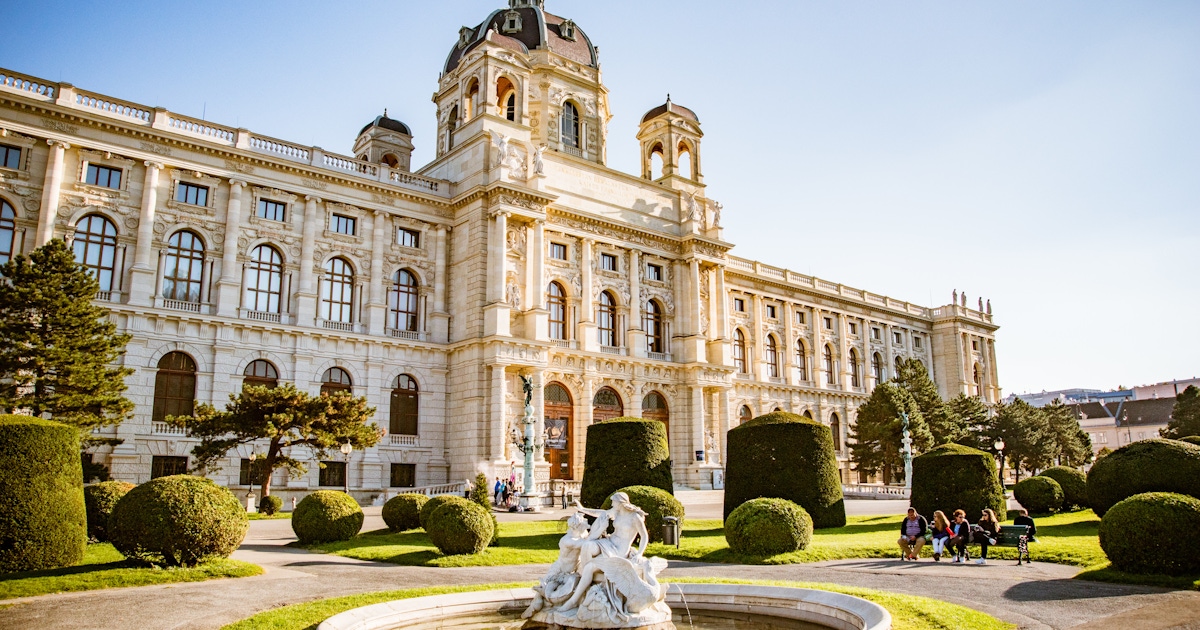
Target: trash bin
(670,531)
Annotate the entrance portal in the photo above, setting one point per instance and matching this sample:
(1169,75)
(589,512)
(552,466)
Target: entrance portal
(560,414)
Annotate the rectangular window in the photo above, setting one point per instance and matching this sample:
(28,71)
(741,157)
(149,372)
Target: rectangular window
(244,478)
(853,328)
(828,323)
(799,318)
(897,337)
(739,305)
(404,475)
(558,251)
(103,176)
(608,262)
(272,210)
(332,474)
(770,311)
(654,272)
(916,341)
(191,193)
(343,224)
(975,344)
(408,238)
(876,334)
(10,157)
(167,465)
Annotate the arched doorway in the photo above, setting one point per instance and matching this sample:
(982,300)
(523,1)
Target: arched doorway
(559,415)
(607,405)
(654,407)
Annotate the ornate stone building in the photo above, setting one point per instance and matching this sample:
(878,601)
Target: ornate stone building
(232,257)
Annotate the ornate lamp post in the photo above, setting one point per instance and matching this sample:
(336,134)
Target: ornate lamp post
(250,493)
(906,450)
(999,446)
(346,450)
(528,445)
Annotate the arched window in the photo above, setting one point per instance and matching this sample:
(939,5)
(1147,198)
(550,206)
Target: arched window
(607,320)
(264,282)
(506,98)
(835,427)
(390,160)
(801,360)
(260,373)
(606,405)
(739,352)
(877,368)
(855,378)
(471,100)
(654,407)
(656,161)
(405,406)
(808,414)
(771,355)
(570,125)
(978,380)
(336,380)
(184,269)
(451,125)
(95,247)
(556,301)
(337,292)
(685,161)
(402,301)
(510,106)
(174,386)
(8,231)
(899,361)
(828,365)
(655,337)
(744,414)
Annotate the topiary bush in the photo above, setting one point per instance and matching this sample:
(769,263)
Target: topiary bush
(270,505)
(786,456)
(43,522)
(1073,482)
(326,516)
(624,452)
(1150,533)
(1039,495)
(952,477)
(434,503)
(657,503)
(179,520)
(1191,439)
(766,527)
(403,511)
(99,499)
(460,527)
(1155,465)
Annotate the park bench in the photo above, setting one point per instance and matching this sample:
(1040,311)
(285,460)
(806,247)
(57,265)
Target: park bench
(1010,536)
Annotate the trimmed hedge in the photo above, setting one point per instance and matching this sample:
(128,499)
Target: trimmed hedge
(1073,482)
(1039,495)
(656,503)
(767,527)
(1155,465)
(1191,439)
(460,527)
(786,456)
(43,522)
(270,505)
(955,477)
(327,516)
(624,452)
(179,520)
(403,511)
(434,503)
(1150,533)
(99,500)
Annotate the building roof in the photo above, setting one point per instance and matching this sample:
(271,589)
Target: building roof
(539,31)
(678,110)
(391,124)
(1133,412)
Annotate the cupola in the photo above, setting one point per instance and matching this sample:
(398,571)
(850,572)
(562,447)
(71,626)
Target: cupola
(385,141)
(670,139)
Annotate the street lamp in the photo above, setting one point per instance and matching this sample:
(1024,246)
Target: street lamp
(250,475)
(999,446)
(346,450)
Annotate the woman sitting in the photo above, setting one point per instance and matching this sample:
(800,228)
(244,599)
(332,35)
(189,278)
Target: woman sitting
(941,534)
(985,535)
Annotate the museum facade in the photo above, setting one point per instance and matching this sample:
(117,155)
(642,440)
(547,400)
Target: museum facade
(234,258)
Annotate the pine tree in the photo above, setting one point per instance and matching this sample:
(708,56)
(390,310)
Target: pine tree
(1025,430)
(1185,416)
(945,426)
(975,421)
(1070,443)
(58,350)
(877,432)
(285,417)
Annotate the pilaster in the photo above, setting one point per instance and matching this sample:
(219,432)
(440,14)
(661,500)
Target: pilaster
(306,298)
(229,286)
(51,191)
(142,275)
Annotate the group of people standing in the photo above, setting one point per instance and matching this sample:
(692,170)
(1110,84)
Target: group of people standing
(505,490)
(954,535)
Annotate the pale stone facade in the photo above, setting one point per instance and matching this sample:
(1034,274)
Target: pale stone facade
(655,313)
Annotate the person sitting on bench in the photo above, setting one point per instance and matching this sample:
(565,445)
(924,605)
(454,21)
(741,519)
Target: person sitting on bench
(912,535)
(1030,532)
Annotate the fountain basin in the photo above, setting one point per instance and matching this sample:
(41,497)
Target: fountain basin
(820,608)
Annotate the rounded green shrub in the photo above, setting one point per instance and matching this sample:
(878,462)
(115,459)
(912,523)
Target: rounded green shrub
(1039,495)
(179,520)
(326,516)
(624,452)
(1155,465)
(403,511)
(434,503)
(43,522)
(460,527)
(1150,533)
(1073,482)
(766,527)
(952,477)
(786,456)
(1191,439)
(100,499)
(270,505)
(656,503)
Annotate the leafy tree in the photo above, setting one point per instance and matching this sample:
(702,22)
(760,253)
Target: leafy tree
(1104,450)
(877,433)
(1185,416)
(286,417)
(943,424)
(1071,445)
(975,420)
(58,351)
(480,493)
(1024,430)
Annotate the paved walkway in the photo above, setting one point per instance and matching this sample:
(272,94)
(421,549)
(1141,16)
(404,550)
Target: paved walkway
(1037,596)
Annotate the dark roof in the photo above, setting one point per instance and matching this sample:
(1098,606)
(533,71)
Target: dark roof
(678,110)
(1133,412)
(390,124)
(539,30)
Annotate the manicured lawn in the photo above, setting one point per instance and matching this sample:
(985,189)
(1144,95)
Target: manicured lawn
(908,612)
(256,516)
(105,567)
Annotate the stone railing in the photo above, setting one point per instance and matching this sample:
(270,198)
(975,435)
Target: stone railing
(397,439)
(162,428)
(199,128)
(114,107)
(825,286)
(874,491)
(442,488)
(30,85)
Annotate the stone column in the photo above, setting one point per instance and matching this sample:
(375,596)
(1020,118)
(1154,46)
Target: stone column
(497,423)
(51,189)
(964,370)
(688,303)
(141,275)
(637,333)
(789,341)
(587,314)
(229,286)
(993,371)
(889,352)
(376,297)
(695,395)
(439,328)
(306,297)
(496,313)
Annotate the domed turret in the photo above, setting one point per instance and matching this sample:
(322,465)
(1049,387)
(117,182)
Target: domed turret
(670,135)
(385,141)
(522,27)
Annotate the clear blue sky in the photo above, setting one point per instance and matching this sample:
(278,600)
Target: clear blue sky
(1045,155)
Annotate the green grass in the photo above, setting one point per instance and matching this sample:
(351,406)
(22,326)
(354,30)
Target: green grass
(105,567)
(908,612)
(256,516)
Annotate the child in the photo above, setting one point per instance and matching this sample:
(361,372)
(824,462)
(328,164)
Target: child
(941,534)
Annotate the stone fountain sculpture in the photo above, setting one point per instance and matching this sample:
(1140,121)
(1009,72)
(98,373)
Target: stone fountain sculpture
(602,580)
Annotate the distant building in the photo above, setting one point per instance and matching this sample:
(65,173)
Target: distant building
(1070,396)
(1169,389)
(1115,424)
